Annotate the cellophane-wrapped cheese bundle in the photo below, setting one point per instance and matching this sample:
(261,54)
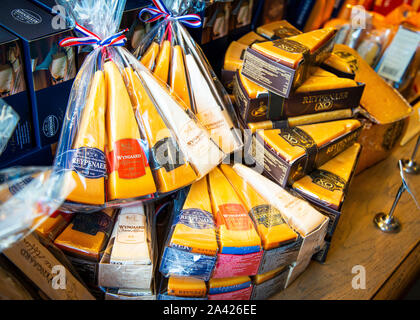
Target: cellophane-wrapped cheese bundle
(169,51)
(29,196)
(125,138)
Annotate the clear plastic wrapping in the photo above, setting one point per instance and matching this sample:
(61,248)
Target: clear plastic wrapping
(169,51)
(126,138)
(8,122)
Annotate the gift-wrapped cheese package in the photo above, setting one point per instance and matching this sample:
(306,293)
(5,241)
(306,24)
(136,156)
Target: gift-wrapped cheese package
(126,137)
(171,54)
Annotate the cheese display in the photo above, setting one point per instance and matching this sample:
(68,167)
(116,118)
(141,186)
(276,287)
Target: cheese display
(328,183)
(235,229)
(194,228)
(192,80)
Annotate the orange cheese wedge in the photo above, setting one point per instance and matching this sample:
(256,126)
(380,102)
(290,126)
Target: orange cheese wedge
(329,182)
(270,225)
(178,81)
(163,61)
(90,138)
(186,287)
(172,172)
(338,63)
(235,227)
(323,80)
(129,173)
(234,56)
(149,57)
(195,228)
(321,133)
(313,40)
(253,90)
(250,38)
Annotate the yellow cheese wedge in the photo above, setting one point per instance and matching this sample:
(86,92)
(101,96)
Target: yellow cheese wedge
(250,38)
(253,90)
(91,135)
(149,57)
(235,227)
(319,72)
(313,40)
(338,63)
(220,285)
(234,56)
(270,225)
(318,83)
(329,182)
(274,51)
(178,81)
(186,287)
(260,278)
(129,175)
(163,61)
(86,235)
(195,228)
(321,133)
(168,177)
(278,29)
(52,225)
(298,213)
(379,99)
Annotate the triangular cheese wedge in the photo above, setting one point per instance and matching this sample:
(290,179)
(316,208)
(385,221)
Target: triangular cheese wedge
(270,225)
(53,224)
(321,133)
(163,61)
(250,38)
(178,79)
(171,169)
(149,57)
(313,40)
(129,173)
(274,51)
(194,141)
(234,56)
(90,139)
(321,81)
(278,29)
(379,99)
(329,182)
(253,90)
(297,212)
(195,230)
(338,63)
(236,232)
(186,287)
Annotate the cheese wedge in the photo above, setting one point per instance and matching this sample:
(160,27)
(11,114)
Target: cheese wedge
(211,114)
(278,29)
(170,167)
(313,40)
(338,63)
(299,214)
(250,38)
(379,99)
(194,229)
(194,141)
(90,138)
(260,278)
(329,182)
(236,232)
(178,81)
(186,287)
(253,90)
(321,133)
(270,225)
(318,83)
(129,173)
(222,285)
(53,225)
(87,235)
(234,56)
(149,57)
(163,61)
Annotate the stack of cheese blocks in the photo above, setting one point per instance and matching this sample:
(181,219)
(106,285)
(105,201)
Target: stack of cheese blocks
(237,236)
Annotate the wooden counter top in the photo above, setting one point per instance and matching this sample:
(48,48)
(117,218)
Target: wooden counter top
(391,261)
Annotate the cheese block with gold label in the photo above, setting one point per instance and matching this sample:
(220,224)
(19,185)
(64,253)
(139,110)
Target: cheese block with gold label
(194,229)
(235,229)
(328,184)
(149,57)
(186,287)
(172,171)
(270,225)
(129,173)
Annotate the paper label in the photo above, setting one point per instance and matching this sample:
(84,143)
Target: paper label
(231,265)
(398,55)
(196,219)
(234,216)
(131,229)
(88,162)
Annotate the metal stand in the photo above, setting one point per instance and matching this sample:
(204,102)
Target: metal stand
(387,222)
(409,165)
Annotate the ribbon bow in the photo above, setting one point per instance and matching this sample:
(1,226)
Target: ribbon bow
(118,39)
(160,11)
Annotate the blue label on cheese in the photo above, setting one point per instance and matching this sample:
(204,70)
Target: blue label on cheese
(89,162)
(196,219)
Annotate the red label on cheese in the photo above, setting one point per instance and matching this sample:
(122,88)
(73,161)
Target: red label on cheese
(234,216)
(128,158)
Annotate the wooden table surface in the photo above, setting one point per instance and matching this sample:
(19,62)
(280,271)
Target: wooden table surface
(391,261)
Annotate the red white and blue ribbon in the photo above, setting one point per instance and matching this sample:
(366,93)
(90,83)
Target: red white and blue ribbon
(160,11)
(90,38)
